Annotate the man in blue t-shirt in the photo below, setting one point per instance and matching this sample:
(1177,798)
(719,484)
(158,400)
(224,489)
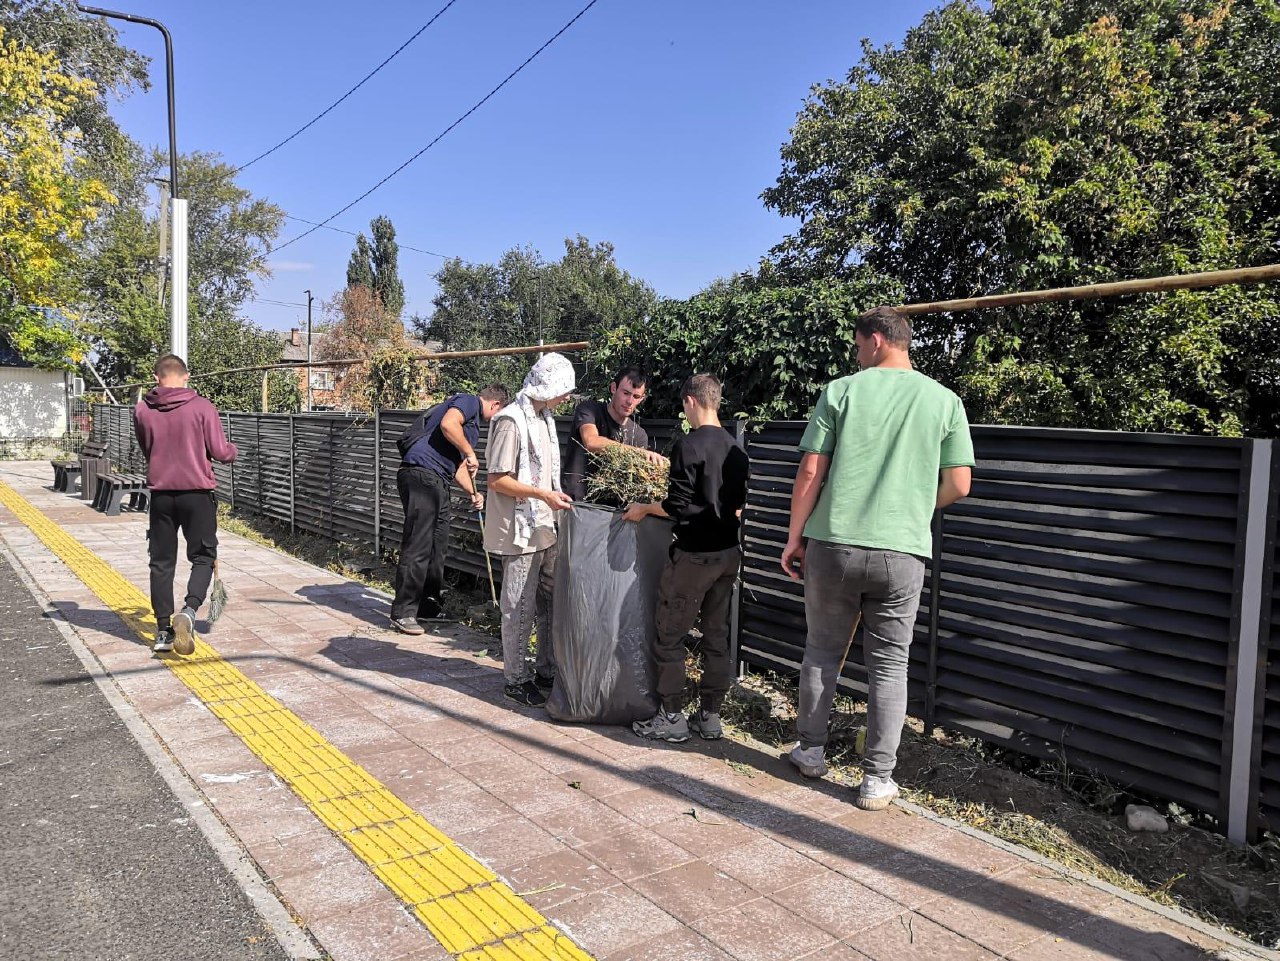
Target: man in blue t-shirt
(446,450)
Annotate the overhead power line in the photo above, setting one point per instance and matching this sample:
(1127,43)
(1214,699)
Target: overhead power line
(352,361)
(367,76)
(352,233)
(274,303)
(483,100)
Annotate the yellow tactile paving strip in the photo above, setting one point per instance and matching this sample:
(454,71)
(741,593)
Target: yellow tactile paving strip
(462,903)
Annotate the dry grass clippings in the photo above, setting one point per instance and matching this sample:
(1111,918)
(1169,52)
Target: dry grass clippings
(623,475)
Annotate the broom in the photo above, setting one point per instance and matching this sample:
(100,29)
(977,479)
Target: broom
(217,597)
(493,592)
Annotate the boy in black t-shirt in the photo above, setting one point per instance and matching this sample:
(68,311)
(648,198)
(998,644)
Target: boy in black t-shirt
(596,425)
(705,494)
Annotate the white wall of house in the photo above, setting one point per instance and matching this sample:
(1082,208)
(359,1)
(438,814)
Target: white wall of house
(33,403)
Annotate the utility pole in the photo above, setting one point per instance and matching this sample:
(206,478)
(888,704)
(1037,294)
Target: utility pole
(308,293)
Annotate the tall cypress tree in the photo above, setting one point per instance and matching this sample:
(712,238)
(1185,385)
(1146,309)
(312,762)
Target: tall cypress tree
(374,265)
(360,266)
(386,274)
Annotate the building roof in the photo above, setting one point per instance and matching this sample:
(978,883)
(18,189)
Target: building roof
(298,354)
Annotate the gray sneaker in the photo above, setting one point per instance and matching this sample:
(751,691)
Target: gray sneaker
(706,725)
(663,727)
(876,793)
(184,633)
(407,625)
(164,641)
(808,761)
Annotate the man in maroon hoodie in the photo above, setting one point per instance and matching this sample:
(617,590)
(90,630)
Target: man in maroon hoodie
(179,431)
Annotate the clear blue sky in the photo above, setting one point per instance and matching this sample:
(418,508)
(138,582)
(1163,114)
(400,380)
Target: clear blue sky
(652,124)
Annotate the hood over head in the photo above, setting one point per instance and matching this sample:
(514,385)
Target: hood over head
(169,398)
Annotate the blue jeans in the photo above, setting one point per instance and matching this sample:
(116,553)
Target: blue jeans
(843,584)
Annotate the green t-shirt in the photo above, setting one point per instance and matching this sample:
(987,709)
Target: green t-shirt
(888,432)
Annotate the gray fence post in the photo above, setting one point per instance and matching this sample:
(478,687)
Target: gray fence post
(935,589)
(1245,667)
(231,494)
(293,483)
(377,486)
(735,601)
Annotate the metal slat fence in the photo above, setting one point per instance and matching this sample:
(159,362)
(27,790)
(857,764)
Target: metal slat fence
(1089,593)
(1088,604)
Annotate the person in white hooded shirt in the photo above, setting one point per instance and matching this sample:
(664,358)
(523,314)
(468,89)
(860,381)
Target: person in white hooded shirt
(523,499)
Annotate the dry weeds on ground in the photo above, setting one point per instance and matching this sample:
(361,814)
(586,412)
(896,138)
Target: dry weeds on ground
(1070,816)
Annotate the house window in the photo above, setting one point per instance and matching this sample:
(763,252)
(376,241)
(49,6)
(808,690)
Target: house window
(322,380)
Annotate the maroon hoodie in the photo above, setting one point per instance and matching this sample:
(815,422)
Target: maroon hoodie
(179,431)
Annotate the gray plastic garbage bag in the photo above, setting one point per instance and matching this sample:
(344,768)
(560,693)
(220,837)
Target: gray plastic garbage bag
(606,592)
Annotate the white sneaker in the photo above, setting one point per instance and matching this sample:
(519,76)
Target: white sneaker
(808,760)
(876,793)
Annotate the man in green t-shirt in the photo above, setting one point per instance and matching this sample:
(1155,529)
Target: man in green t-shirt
(884,448)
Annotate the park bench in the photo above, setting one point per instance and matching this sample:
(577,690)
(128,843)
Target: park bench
(67,468)
(114,487)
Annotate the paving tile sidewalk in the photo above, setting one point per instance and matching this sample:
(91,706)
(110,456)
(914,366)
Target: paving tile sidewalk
(639,851)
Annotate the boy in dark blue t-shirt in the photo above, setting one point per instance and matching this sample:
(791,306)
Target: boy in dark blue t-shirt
(445,451)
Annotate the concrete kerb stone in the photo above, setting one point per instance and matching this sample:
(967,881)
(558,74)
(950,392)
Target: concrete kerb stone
(294,940)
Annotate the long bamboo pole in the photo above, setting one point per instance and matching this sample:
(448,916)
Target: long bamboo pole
(1150,285)
(420,358)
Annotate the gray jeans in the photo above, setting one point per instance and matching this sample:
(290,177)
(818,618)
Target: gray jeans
(841,585)
(527,582)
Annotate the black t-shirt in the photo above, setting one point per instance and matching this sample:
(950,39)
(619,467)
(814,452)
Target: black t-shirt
(708,487)
(577,463)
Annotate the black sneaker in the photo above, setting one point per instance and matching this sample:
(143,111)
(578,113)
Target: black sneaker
(544,683)
(164,641)
(407,625)
(526,694)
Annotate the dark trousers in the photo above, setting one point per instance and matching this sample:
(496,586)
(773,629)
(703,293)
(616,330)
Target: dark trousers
(196,514)
(693,584)
(427,511)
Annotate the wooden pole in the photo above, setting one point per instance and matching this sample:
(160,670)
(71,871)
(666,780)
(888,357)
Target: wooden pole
(1150,285)
(265,401)
(420,358)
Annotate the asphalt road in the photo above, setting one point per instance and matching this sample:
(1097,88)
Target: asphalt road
(98,858)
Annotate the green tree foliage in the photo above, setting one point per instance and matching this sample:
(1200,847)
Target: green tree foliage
(360,266)
(376,266)
(230,237)
(223,342)
(87,48)
(1026,144)
(524,299)
(47,199)
(231,233)
(124,320)
(774,347)
(396,380)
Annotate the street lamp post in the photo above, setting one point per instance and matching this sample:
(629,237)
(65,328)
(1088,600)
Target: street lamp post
(177,205)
